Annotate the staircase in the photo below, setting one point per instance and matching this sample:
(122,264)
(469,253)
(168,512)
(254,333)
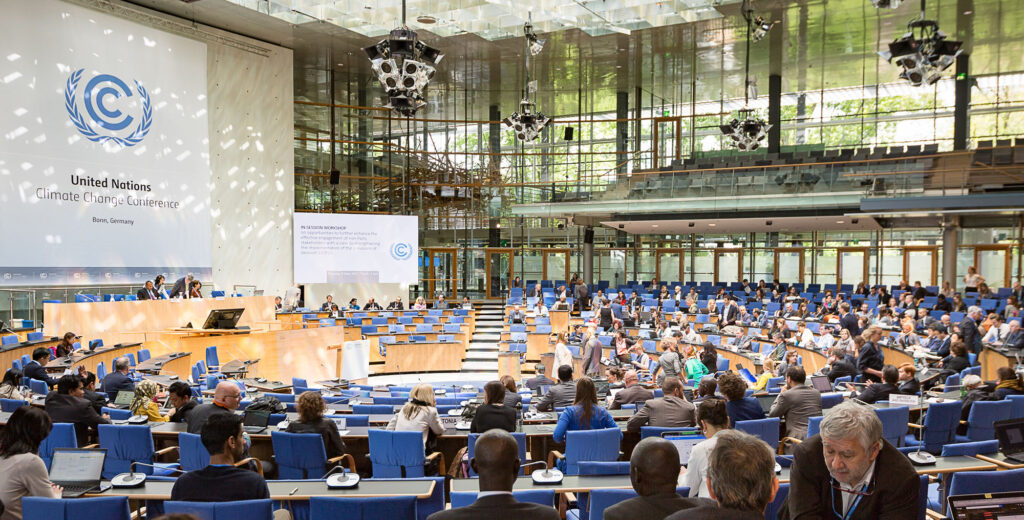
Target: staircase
(482,356)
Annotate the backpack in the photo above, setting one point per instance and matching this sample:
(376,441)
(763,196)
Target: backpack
(268,404)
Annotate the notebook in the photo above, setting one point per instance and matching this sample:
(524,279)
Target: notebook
(124,398)
(821,384)
(255,422)
(987,505)
(77,470)
(1011,439)
(684,445)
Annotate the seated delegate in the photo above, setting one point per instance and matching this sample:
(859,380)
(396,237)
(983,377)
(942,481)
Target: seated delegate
(223,437)
(22,472)
(584,414)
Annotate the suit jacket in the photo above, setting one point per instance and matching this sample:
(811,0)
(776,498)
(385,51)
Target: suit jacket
(797,405)
(37,372)
(179,289)
(536,381)
(66,408)
(630,394)
(498,507)
(114,382)
(144,294)
(715,512)
(97,399)
(326,306)
(894,488)
(1014,339)
(911,387)
(877,392)
(669,411)
(560,396)
(943,348)
(653,507)
(730,314)
(849,321)
(971,335)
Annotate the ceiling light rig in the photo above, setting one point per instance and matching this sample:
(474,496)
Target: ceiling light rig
(886,4)
(746,130)
(923,52)
(404,67)
(527,122)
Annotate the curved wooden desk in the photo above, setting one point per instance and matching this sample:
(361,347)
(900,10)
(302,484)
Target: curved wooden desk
(90,360)
(13,352)
(896,356)
(175,364)
(424,357)
(991,359)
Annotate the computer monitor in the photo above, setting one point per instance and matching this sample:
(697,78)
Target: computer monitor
(684,445)
(124,398)
(983,506)
(223,318)
(256,418)
(821,384)
(602,386)
(77,466)
(1011,436)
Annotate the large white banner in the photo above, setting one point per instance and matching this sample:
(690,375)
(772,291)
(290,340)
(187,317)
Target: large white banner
(344,248)
(104,161)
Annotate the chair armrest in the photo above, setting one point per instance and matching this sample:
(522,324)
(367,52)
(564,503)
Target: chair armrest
(90,446)
(259,465)
(554,454)
(351,461)
(932,515)
(963,422)
(784,440)
(436,455)
(914,425)
(166,450)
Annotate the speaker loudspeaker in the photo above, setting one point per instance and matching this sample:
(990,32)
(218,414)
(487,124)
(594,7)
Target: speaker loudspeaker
(335,176)
(568,133)
(588,236)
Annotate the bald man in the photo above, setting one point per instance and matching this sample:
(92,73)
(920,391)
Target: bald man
(497,462)
(654,471)
(632,393)
(226,399)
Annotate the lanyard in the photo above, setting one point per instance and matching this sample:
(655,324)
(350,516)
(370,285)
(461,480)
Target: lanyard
(856,501)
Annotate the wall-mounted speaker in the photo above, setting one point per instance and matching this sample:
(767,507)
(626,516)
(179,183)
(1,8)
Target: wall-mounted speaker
(568,133)
(335,176)
(588,235)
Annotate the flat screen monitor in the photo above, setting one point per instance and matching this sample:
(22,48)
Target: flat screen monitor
(223,318)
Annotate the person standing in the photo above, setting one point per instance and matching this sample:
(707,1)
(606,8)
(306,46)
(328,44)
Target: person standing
(669,363)
(591,353)
(969,329)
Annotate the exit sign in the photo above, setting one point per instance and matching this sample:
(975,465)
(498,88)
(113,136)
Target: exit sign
(960,76)
(665,113)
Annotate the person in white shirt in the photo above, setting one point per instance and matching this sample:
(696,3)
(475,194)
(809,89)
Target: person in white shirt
(712,418)
(691,336)
(563,356)
(997,331)
(826,340)
(419,414)
(803,337)
(539,309)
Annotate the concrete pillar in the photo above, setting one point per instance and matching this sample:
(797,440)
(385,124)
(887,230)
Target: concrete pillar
(962,104)
(950,241)
(588,255)
(621,132)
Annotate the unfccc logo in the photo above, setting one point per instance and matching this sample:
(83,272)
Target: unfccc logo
(105,123)
(401,251)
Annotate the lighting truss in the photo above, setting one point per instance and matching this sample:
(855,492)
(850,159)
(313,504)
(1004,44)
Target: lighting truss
(404,67)
(527,122)
(746,130)
(886,4)
(923,52)
(761,28)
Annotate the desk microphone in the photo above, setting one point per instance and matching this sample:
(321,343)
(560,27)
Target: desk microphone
(921,458)
(546,475)
(133,479)
(342,480)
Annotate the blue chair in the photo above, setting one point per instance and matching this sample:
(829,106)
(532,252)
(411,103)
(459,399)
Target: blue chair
(940,422)
(814,425)
(587,445)
(831,399)
(381,508)
(1016,405)
(972,482)
(544,497)
(10,405)
(357,420)
(841,380)
(970,449)
(395,454)
(116,414)
(980,419)
(299,382)
(9,340)
(131,443)
(618,467)
(144,355)
(723,364)
(34,336)
(329,322)
(894,423)
(765,429)
(212,360)
(192,455)
(38,387)
(471,442)
(249,509)
(107,508)
(302,455)
(61,436)
(772,511)
(373,409)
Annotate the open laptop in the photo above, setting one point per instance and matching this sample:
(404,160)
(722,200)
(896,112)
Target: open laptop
(821,384)
(255,421)
(1011,439)
(987,505)
(77,470)
(684,444)
(124,398)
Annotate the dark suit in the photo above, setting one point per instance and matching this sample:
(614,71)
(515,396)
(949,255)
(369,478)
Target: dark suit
(971,335)
(36,371)
(849,321)
(629,395)
(201,413)
(841,368)
(326,306)
(1014,340)
(943,349)
(66,408)
(146,294)
(179,289)
(797,405)
(97,399)
(730,314)
(540,380)
(668,411)
(653,507)
(894,487)
(911,387)
(870,357)
(877,392)
(114,382)
(558,396)
(498,507)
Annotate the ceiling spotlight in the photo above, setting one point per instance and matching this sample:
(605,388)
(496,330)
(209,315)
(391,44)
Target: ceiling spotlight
(535,44)
(923,53)
(527,123)
(886,4)
(746,134)
(403,66)
(761,28)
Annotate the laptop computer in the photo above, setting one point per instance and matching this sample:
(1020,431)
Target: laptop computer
(77,470)
(821,384)
(684,445)
(255,421)
(124,398)
(987,505)
(1011,439)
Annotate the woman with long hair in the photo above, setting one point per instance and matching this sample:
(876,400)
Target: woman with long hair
(512,397)
(66,345)
(419,414)
(22,472)
(9,386)
(493,413)
(584,414)
(563,356)
(709,357)
(1010,383)
(869,359)
(310,406)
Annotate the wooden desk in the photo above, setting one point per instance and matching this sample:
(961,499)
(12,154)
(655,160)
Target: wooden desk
(90,360)
(559,321)
(114,322)
(992,359)
(509,365)
(896,357)
(1000,460)
(13,352)
(537,343)
(749,360)
(424,357)
(282,489)
(175,363)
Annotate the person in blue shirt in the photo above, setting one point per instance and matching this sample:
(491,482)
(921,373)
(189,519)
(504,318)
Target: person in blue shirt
(739,407)
(584,414)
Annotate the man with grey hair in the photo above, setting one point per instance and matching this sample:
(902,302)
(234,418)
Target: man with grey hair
(632,393)
(117,380)
(969,329)
(540,379)
(741,478)
(849,471)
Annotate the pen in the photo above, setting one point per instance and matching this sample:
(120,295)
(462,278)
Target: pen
(292,492)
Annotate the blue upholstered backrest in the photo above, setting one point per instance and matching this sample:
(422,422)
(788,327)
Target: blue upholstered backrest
(591,445)
(382,508)
(191,452)
(107,508)
(126,444)
(299,455)
(247,509)
(396,454)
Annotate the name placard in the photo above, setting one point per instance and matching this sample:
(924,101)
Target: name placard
(902,399)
